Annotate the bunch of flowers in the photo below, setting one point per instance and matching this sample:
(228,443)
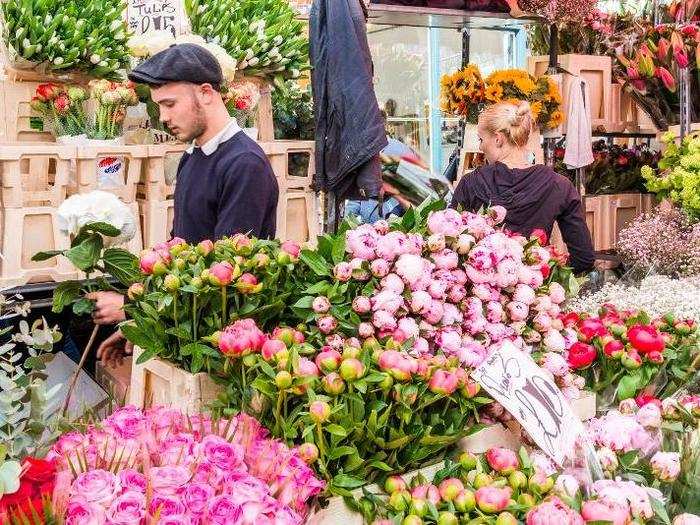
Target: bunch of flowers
(458,288)
(546,104)
(359,409)
(615,169)
(188,292)
(63,107)
(663,242)
(559,11)
(293,112)
(622,353)
(656,294)
(264,36)
(111,100)
(242,100)
(67,35)
(678,176)
(148,44)
(26,488)
(462,93)
(164,466)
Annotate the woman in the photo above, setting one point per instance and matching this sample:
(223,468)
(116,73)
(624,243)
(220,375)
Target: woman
(534,196)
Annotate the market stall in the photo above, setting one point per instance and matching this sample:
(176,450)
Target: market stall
(429,368)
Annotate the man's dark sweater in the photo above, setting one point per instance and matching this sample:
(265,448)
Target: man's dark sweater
(534,197)
(232,190)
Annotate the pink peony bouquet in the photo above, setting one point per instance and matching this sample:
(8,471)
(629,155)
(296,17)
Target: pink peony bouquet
(160,466)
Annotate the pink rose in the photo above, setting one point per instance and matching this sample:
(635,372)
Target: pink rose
(127,422)
(221,453)
(83,512)
(222,510)
(96,486)
(168,480)
(166,505)
(553,512)
(195,496)
(610,511)
(132,481)
(127,509)
(502,460)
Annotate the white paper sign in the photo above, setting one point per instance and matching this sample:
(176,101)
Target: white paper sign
(529,394)
(155,15)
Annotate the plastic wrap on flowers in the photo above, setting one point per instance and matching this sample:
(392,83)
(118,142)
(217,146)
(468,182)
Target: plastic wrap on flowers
(163,465)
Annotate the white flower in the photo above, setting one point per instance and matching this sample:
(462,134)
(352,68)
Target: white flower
(148,44)
(191,39)
(97,206)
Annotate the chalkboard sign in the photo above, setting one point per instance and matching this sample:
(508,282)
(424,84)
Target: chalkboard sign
(155,15)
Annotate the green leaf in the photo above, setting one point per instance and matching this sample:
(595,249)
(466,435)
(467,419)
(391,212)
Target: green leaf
(96,227)
(43,256)
(304,302)
(83,306)
(265,387)
(627,387)
(145,355)
(315,262)
(140,338)
(347,482)
(338,252)
(660,510)
(194,349)
(64,294)
(85,255)
(320,287)
(122,265)
(380,465)
(339,452)
(336,430)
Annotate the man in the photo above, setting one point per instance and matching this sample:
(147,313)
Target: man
(225,183)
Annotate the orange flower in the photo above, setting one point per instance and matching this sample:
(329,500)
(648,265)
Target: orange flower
(556,119)
(536,109)
(493,93)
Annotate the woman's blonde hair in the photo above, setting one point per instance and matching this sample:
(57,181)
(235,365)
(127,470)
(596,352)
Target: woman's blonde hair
(513,119)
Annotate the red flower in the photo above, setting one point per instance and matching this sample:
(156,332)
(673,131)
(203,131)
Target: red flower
(48,91)
(592,327)
(666,77)
(681,58)
(62,103)
(570,319)
(39,470)
(645,339)
(545,270)
(540,235)
(241,104)
(622,160)
(613,348)
(581,355)
(644,399)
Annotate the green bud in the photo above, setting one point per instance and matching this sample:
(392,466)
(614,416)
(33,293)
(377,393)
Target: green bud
(283,380)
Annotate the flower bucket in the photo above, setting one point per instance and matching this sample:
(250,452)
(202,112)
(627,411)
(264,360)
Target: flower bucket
(158,382)
(110,170)
(72,140)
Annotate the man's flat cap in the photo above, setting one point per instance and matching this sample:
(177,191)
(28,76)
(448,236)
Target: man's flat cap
(179,63)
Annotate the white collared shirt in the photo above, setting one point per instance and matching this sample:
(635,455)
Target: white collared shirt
(222,136)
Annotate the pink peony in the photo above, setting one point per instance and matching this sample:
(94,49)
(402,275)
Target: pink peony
(517,311)
(292,248)
(616,513)
(342,271)
(497,214)
(494,312)
(554,341)
(393,282)
(387,300)
(566,485)
(379,267)
(328,360)
(492,499)
(553,512)
(502,460)
(361,304)
(557,293)
(221,274)
(446,260)
(666,466)
(436,242)
(384,320)
(447,222)
(426,492)
(327,324)
(127,509)
(96,486)
(307,368)
(449,341)
(321,304)
(365,330)
(410,268)
(148,261)
(649,416)
(555,364)
(409,327)
(241,338)
(398,364)
(443,382)
(421,302)
(391,245)
(361,242)
(83,512)
(686,519)
(271,348)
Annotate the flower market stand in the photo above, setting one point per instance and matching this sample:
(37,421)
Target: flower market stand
(157,382)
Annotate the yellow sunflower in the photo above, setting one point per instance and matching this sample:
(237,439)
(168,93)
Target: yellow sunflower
(493,93)
(556,119)
(536,109)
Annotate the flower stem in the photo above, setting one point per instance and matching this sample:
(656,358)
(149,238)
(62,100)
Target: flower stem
(224,318)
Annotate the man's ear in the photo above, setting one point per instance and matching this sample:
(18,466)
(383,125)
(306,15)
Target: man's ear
(206,93)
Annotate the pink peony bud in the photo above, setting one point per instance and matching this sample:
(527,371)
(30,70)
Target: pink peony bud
(248,284)
(271,348)
(135,291)
(666,466)
(292,248)
(221,274)
(649,416)
(365,330)
(427,492)
(319,411)
(342,271)
(552,512)
(686,519)
(352,369)
(241,338)
(610,511)
(464,244)
(517,311)
(394,484)
(443,382)
(381,227)
(379,268)
(148,261)
(361,304)
(321,304)
(308,452)
(307,368)
(502,460)
(492,499)
(401,366)
(327,324)
(449,488)
(608,459)
(205,247)
(497,214)
(333,384)
(328,360)
(436,242)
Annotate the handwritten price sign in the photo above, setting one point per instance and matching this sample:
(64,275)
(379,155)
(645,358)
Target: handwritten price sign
(155,15)
(529,394)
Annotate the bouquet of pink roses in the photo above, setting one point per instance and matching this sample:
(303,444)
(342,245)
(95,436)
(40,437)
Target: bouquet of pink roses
(160,466)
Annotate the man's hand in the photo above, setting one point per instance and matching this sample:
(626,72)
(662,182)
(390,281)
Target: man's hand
(114,348)
(109,307)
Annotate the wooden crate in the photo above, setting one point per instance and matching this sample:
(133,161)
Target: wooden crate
(609,214)
(596,70)
(25,232)
(293,163)
(158,181)
(297,217)
(157,382)
(617,116)
(156,220)
(16,115)
(89,157)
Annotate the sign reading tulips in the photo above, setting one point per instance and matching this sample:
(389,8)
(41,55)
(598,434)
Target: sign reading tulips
(154,15)
(529,394)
